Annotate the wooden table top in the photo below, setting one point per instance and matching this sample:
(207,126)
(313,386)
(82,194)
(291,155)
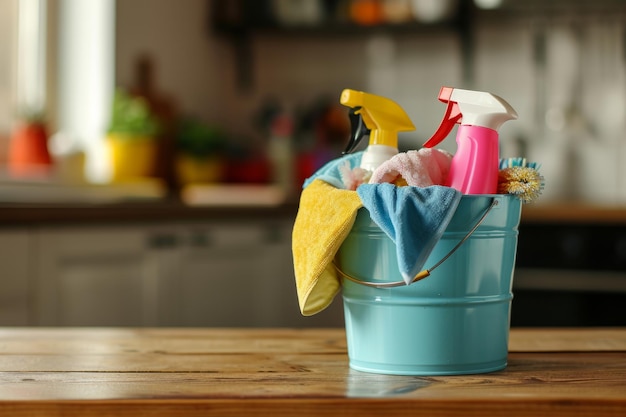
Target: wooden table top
(291,372)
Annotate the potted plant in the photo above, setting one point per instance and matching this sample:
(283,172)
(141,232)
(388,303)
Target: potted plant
(132,137)
(28,149)
(199,152)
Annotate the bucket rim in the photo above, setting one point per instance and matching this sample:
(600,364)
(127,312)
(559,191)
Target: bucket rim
(426,272)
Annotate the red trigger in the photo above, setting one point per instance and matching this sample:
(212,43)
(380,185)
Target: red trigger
(451,117)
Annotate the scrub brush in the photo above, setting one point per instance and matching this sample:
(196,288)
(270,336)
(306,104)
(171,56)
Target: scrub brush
(520,178)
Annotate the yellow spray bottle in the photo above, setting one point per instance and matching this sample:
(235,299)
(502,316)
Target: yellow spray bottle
(384,118)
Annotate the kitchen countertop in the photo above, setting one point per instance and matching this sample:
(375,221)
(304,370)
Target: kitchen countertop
(573,212)
(16,214)
(240,202)
(287,372)
(47,204)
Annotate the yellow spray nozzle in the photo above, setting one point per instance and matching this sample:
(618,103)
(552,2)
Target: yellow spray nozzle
(384,117)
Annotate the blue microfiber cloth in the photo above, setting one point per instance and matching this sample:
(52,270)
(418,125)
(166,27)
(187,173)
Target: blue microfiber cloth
(331,173)
(413,217)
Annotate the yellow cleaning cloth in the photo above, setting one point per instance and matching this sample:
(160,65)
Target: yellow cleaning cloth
(325,217)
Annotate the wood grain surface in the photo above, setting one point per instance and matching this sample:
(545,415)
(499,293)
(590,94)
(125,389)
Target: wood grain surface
(291,372)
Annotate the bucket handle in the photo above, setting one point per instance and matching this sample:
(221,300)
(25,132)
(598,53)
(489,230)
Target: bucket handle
(426,272)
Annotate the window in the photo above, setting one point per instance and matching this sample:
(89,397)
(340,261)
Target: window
(23,67)
(63,70)
(8,69)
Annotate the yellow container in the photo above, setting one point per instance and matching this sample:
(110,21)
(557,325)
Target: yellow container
(192,170)
(132,157)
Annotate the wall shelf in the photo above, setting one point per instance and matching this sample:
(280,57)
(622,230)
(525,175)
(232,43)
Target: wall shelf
(239,21)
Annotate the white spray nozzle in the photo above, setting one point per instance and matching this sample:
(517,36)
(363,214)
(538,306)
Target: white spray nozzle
(470,108)
(479,108)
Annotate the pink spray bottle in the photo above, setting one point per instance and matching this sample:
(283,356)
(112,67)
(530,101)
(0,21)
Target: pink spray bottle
(474,167)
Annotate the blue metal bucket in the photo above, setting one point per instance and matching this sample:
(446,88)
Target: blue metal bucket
(455,321)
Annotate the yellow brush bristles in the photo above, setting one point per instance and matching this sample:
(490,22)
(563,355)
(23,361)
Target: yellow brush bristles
(523,182)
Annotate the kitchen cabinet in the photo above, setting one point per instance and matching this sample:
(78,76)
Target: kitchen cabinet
(570,268)
(226,274)
(236,274)
(15,246)
(94,276)
(201,273)
(140,264)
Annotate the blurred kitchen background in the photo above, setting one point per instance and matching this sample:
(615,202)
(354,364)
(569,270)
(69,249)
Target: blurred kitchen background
(152,151)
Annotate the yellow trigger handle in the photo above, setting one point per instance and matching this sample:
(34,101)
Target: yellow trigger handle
(384,117)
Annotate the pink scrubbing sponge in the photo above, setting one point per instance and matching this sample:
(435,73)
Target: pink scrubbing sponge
(353,177)
(421,168)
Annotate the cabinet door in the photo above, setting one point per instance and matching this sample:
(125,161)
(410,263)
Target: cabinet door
(15,251)
(239,274)
(221,273)
(95,277)
(281,297)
